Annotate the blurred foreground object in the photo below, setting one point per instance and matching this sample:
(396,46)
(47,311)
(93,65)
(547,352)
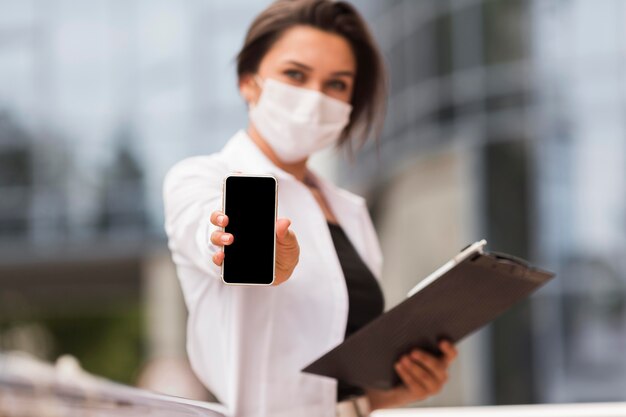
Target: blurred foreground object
(30,388)
(538,410)
(172,376)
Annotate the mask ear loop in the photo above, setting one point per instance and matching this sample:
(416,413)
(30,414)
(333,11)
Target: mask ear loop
(259,83)
(258,80)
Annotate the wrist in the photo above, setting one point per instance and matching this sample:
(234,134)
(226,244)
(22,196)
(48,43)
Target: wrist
(380,399)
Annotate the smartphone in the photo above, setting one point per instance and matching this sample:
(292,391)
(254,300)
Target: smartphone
(250,202)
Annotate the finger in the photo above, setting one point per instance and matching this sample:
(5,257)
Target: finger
(449,351)
(218,258)
(287,250)
(413,385)
(282,229)
(218,218)
(435,367)
(425,378)
(220,238)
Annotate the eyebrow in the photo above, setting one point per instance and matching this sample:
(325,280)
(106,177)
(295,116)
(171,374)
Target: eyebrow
(345,73)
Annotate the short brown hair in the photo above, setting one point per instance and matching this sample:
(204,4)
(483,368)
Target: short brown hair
(338,17)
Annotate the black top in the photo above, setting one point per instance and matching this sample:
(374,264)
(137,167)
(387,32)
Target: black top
(365,297)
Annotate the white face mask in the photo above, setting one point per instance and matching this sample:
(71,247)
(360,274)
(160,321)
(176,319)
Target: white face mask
(297,122)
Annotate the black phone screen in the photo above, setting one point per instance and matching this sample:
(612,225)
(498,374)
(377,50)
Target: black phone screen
(250,204)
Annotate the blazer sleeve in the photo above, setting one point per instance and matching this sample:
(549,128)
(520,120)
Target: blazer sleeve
(192,190)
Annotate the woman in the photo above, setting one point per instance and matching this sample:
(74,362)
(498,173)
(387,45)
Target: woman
(312,77)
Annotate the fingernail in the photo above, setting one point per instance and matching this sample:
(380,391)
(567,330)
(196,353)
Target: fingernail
(225,238)
(220,219)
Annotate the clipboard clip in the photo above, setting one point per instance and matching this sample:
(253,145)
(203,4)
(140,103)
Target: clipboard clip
(469,250)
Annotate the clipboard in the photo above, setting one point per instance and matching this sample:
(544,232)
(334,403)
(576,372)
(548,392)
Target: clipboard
(463,295)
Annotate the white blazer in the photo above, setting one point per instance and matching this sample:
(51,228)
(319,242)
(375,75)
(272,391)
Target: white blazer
(248,344)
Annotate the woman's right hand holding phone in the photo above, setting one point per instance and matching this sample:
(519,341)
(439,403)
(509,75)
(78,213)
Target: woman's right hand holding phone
(287,248)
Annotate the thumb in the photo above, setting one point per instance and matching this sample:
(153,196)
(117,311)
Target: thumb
(282,228)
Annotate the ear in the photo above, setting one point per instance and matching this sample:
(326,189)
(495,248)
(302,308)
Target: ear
(248,89)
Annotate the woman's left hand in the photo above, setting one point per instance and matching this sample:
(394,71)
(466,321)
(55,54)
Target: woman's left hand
(422,374)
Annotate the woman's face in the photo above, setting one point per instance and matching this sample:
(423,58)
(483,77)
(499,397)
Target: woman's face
(309,58)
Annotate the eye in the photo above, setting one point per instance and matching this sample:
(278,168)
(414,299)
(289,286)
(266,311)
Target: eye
(295,75)
(337,85)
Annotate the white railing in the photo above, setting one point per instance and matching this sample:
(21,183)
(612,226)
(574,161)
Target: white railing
(617,409)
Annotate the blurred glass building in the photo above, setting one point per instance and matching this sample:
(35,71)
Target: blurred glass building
(97,100)
(504,121)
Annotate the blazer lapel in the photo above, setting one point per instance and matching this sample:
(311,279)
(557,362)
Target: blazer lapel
(349,210)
